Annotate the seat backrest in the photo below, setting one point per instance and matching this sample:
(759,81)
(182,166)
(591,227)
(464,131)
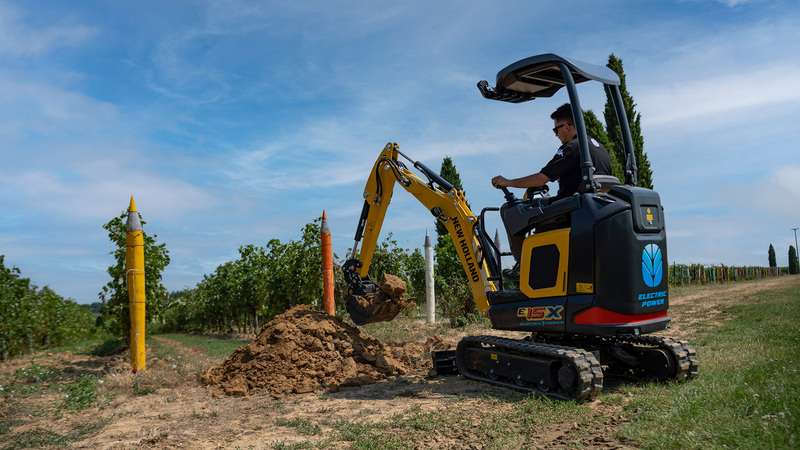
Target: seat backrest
(606,182)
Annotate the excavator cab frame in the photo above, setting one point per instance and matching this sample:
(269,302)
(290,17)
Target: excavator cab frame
(544,75)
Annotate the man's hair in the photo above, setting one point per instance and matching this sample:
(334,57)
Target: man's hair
(564,112)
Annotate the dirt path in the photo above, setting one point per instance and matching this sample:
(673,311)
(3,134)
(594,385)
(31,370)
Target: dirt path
(167,407)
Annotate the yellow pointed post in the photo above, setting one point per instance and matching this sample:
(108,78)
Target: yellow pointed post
(134,275)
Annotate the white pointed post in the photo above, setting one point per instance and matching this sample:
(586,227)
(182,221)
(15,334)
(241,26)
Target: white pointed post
(430,299)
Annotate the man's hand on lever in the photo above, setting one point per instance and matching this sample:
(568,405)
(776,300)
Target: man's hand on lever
(501,181)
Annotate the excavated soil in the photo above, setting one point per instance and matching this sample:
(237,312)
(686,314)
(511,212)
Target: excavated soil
(304,350)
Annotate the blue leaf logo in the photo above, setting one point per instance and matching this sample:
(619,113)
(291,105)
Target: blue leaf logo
(652,265)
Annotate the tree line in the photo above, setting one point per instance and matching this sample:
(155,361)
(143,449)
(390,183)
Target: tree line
(240,295)
(33,318)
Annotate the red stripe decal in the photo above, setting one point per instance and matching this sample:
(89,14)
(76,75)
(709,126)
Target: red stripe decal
(598,315)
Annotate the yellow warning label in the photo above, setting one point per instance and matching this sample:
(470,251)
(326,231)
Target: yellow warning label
(493,356)
(584,288)
(649,216)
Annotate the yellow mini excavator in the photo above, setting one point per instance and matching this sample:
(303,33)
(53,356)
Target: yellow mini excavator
(593,267)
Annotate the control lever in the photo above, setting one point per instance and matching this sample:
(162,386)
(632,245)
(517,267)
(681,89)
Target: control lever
(508,194)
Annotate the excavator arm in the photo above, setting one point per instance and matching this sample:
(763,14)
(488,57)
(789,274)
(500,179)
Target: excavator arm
(444,201)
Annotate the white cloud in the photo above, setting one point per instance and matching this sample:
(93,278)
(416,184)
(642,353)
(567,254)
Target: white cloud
(721,95)
(788,178)
(50,105)
(18,38)
(779,194)
(734,3)
(101,189)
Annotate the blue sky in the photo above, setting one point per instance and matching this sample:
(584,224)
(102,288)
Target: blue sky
(235,122)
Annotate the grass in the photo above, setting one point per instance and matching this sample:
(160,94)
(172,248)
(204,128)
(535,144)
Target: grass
(35,374)
(108,347)
(7,424)
(748,391)
(280,445)
(38,437)
(30,380)
(81,393)
(83,346)
(407,329)
(142,386)
(303,426)
(507,422)
(35,438)
(214,347)
(369,436)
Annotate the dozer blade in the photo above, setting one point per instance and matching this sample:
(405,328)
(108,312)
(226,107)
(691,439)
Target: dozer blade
(378,302)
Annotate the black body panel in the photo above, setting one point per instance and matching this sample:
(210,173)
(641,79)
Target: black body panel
(619,252)
(617,255)
(595,207)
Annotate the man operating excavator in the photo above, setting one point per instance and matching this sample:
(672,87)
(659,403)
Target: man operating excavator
(564,167)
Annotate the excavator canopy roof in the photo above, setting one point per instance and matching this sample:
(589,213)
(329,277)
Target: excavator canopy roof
(540,76)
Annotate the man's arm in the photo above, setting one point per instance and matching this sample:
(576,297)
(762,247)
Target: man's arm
(535,180)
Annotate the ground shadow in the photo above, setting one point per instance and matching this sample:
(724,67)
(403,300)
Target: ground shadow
(454,386)
(418,387)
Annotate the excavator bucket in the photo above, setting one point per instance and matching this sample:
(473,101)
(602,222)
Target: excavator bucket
(378,302)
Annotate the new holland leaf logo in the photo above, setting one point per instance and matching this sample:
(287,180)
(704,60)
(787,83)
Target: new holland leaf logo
(652,265)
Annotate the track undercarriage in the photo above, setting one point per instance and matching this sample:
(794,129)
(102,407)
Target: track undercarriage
(568,367)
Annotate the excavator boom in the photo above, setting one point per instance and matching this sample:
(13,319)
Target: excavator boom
(444,201)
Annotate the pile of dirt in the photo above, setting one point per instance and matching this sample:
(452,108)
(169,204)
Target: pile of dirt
(304,350)
(380,302)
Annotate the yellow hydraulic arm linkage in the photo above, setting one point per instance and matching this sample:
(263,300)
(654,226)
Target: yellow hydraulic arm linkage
(446,203)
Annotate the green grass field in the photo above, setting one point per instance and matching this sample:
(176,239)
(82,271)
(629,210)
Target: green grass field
(748,391)
(214,347)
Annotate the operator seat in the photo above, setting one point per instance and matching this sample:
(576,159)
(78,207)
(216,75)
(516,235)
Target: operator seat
(522,216)
(606,182)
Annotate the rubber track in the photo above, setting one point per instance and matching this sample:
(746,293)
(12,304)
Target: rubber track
(590,373)
(685,356)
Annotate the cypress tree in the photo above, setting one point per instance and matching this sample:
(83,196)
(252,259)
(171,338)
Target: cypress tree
(595,129)
(451,282)
(794,266)
(645,174)
(771,253)
(449,172)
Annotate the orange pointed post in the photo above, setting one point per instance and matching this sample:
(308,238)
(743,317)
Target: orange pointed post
(327,267)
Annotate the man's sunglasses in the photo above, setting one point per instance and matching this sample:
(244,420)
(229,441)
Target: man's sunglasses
(555,130)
